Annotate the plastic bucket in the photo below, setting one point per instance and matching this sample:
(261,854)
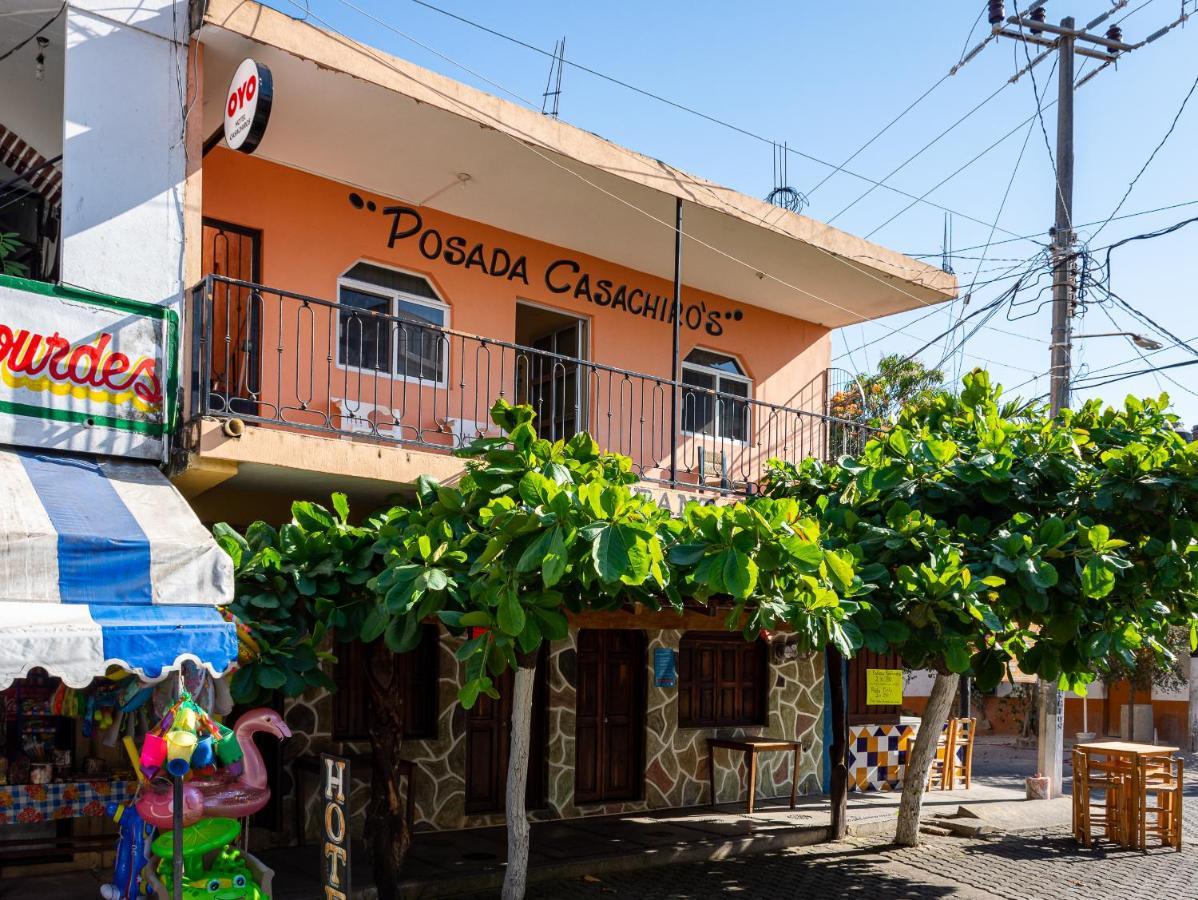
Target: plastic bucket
(203,753)
(153,751)
(227,749)
(180,745)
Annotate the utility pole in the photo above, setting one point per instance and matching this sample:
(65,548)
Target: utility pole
(1031,28)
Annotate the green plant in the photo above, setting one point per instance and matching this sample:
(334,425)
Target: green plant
(9,246)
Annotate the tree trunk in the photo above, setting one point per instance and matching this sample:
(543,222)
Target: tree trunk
(919,758)
(385,822)
(516,876)
(1193,688)
(838,751)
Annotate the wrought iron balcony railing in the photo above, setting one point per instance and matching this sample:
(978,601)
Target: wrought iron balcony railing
(277,358)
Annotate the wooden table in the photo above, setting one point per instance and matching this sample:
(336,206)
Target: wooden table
(750,747)
(1128,754)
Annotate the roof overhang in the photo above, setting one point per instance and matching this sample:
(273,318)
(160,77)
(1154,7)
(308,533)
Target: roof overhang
(359,116)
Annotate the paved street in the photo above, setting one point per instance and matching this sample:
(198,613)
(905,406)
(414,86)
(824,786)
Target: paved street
(1024,867)
(1042,865)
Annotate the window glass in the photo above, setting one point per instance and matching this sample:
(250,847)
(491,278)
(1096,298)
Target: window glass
(404,336)
(713,414)
(392,280)
(710,360)
(365,339)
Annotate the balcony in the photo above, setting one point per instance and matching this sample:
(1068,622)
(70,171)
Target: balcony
(282,360)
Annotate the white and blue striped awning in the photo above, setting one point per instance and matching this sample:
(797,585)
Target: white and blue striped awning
(103,563)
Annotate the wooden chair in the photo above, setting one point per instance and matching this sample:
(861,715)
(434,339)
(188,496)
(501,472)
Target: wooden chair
(1112,815)
(963,770)
(945,758)
(1163,781)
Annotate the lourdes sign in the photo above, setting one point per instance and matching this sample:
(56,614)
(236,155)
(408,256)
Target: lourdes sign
(85,372)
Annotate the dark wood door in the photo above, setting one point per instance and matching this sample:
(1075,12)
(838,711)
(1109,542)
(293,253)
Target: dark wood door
(610,718)
(234,317)
(488,742)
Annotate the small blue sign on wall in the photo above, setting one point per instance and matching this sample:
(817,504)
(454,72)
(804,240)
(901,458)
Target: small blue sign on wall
(665,667)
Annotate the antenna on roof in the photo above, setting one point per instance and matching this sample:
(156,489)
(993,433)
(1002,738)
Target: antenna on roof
(553,86)
(946,245)
(783,194)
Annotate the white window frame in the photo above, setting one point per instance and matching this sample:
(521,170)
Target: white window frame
(392,297)
(719,374)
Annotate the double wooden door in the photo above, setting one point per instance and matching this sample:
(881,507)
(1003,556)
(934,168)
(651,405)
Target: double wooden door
(609,726)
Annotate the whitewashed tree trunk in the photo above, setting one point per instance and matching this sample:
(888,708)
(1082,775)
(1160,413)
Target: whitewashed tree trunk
(516,876)
(1193,687)
(919,759)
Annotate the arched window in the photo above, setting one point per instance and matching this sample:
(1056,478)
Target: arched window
(722,680)
(714,397)
(391,322)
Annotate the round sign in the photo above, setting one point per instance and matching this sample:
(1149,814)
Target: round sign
(247,106)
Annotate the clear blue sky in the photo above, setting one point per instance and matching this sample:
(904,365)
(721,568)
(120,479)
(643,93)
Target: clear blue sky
(824,77)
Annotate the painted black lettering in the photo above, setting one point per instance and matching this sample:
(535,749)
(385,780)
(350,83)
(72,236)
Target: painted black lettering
(694,321)
(519,270)
(714,326)
(632,295)
(476,258)
(583,288)
(553,267)
(398,214)
(603,290)
(650,307)
(425,244)
(500,262)
(455,250)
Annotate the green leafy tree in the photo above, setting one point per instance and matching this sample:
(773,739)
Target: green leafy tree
(996,533)
(897,382)
(534,530)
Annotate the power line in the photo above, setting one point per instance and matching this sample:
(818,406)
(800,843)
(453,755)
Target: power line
(1143,212)
(1125,375)
(690,110)
(1155,150)
(378,57)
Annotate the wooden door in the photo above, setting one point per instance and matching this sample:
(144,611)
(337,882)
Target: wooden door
(610,716)
(488,742)
(234,317)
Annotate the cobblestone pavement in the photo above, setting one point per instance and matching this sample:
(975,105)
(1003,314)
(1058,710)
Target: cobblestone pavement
(1025,867)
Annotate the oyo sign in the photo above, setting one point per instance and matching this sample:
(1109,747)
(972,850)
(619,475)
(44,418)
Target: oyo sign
(247,106)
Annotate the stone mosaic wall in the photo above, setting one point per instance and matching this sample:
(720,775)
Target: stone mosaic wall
(675,758)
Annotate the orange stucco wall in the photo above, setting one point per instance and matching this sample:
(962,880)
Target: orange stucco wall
(312,233)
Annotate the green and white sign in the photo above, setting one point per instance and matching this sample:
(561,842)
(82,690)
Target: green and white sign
(86,372)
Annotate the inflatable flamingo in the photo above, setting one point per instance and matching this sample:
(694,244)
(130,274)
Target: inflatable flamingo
(225,795)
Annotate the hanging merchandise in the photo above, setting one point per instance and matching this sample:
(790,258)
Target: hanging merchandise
(222,770)
(132,853)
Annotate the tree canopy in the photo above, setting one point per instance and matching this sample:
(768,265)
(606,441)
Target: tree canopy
(993,532)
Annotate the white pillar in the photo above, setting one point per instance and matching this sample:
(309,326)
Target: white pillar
(124,156)
(1051,743)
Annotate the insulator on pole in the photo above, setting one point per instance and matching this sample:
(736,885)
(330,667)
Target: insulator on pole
(1115,33)
(1038,15)
(998,11)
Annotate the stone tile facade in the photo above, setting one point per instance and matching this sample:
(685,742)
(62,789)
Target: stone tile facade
(675,758)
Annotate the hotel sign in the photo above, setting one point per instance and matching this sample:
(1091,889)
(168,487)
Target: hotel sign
(247,106)
(85,372)
(334,828)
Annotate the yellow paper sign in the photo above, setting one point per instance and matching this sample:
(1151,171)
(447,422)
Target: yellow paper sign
(884,687)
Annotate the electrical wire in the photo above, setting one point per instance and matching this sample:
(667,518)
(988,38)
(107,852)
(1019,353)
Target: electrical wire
(1155,150)
(1143,212)
(1125,375)
(383,60)
(9,52)
(690,110)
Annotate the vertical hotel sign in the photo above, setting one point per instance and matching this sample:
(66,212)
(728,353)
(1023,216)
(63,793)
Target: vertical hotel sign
(334,828)
(86,372)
